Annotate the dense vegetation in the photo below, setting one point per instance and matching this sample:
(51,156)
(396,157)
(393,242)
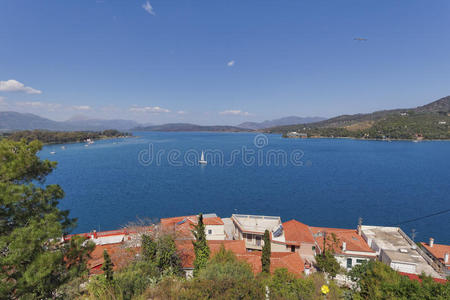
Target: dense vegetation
(61,137)
(36,264)
(431,121)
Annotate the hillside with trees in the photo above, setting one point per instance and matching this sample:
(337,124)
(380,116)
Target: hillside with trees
(61,137)
(431,121)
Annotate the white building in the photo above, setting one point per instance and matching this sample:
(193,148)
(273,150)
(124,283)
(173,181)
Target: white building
(251,228)
(397,250)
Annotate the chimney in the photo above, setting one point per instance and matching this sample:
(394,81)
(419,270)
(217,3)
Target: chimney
(344,246)
(446,258)
(431,243)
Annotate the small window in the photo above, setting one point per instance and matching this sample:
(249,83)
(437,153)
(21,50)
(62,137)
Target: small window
(292,248)
(209,231)
(349,263)
(360,261)
(313,248)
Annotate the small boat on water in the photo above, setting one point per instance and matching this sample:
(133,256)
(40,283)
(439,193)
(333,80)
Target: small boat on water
(63,147)
(202,159)
(53,152)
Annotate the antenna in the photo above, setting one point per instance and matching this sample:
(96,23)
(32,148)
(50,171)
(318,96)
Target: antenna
(360,220)
(413,234)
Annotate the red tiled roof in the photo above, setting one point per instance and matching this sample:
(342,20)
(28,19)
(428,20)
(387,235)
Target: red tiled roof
(186,249)
(122,231)
(438,251)
(354,241)
(182,226)
(416,277)
(120,257)
(296,232)
(289,260)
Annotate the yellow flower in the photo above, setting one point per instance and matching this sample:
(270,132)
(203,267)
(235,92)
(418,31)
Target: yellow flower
(325,290)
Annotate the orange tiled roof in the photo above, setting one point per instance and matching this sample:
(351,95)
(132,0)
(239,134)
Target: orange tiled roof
(296,232)
(120,257)
(416,277)
(182,226)
(289,260)
(438,251)
(186,249)
(354,241)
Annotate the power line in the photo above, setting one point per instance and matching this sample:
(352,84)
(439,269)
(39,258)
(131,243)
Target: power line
(423,217)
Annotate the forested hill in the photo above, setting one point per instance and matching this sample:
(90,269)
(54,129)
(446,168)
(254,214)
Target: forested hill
(61,137)
(431,121)
(189,127)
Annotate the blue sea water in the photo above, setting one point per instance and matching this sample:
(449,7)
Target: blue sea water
(323,182)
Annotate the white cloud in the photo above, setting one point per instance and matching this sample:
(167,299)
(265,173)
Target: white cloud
(181,112)
(235,112)
(148,8)
(150,109)
(231,63)
(81,107)
(16,86)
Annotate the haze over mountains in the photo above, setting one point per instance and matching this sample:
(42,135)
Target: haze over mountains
(291,120)
(10,120)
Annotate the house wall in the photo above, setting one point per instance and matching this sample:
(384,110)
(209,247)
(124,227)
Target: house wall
(307,249)
(217,232)
(342,260)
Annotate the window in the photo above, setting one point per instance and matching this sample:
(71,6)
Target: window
(313,248)
(360,261)
(258,241)
(249,238)
(349,263)
(209,231)
(292,248)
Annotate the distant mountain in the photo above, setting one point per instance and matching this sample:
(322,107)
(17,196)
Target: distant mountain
(10,120)
(430,121)
(280,122)
(188,127)
(99,124)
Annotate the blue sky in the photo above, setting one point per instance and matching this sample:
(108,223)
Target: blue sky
(221,62)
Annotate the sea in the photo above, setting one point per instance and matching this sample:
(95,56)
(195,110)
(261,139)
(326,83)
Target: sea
(320,182)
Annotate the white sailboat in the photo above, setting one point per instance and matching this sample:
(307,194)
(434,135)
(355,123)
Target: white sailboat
(202,159)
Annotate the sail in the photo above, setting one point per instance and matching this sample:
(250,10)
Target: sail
(202,158)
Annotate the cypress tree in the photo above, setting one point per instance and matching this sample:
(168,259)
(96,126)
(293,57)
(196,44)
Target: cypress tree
(266,252)
(201,248)
(107,266)
(149,248)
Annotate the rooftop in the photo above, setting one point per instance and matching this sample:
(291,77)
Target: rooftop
(296,232)
(393,238)
(354,242)
(288,260)
(187,255)
(438,251)
(256,224)
(388,238)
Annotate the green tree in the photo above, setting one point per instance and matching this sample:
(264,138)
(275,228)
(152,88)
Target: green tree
(326,262)
(266,253)
(107,266)
(149,248)
(31,224)
(77,252)
(167,258)
(201,248)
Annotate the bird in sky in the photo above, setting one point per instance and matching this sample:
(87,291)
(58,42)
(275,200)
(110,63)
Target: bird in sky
(360,39)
